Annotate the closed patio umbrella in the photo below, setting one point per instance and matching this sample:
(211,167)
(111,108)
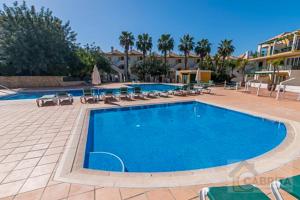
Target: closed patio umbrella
(198,76)
(96,80)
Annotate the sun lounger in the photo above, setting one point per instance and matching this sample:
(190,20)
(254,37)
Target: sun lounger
(88,94)
(46,98)
(164,93)
(205,88)
(192,90)
(290,185)
(124,93)
(152,94)
(242,192)
(64,96)
(180,92)
(109,96)
(137,92)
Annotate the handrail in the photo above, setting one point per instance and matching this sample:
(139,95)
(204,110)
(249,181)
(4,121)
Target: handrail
(258,88)
(284,86)
(247,84)
(287,80)
(114,155)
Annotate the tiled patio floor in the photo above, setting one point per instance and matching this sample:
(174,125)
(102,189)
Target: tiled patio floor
(33,139)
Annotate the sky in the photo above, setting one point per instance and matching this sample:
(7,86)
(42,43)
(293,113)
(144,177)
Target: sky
(247,23)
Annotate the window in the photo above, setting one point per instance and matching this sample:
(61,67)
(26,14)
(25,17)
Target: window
(141,58)
(178,60)
(198,60)
(121,58)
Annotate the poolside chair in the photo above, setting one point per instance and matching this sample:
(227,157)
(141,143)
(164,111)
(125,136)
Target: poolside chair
(211,83)
(290,185)
(164,93)
(242,192)
(46,98)
(231,85)
(137,92)
(109,96)
(180,92)
(64,97)
(152,94)
(124,93)
(205,88)
(88,94)
(192,90)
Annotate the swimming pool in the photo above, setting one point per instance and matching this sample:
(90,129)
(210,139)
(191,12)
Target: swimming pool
(176,137)
(78,92)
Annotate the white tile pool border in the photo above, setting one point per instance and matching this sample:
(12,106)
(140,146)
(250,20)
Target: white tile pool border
(71,169)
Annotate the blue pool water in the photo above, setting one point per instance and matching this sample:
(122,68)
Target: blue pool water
(176,137)
(76,93)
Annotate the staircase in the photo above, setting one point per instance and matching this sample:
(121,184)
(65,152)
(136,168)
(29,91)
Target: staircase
(118,70)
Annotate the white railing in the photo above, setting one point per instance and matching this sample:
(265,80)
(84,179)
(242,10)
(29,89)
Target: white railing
(258,88)
(6,88)
(281,88)
(248,84)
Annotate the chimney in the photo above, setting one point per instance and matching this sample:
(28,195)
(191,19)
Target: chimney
(112,49)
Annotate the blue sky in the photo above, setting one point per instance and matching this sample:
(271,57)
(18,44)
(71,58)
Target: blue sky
(245,22)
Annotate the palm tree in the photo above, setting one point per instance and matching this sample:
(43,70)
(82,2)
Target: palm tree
(216,60)
(165,45)
(275,79)
(225,49)
(144,44)
(203,49)
(208,62)
(186,45)
(126,41)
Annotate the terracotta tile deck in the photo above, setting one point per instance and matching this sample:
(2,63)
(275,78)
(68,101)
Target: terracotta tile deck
(33,139)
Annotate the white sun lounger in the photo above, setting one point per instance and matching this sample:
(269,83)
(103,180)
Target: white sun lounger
(46,98)
(64,96)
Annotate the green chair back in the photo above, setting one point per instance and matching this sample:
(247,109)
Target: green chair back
(291,185)
(242,192)
(123,90)
(137,90)
(108,92)
(185,87)
(87,92)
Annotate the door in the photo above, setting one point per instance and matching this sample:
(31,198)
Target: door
(184,78)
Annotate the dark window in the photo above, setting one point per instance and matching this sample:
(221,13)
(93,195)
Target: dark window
(141,58)
(198,60)
(122,58)
(178,60)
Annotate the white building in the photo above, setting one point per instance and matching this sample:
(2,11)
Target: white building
(175,61)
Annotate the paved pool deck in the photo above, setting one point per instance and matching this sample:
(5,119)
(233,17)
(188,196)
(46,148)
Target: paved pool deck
(33,140)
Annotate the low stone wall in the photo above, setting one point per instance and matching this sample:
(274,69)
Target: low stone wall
(35,81)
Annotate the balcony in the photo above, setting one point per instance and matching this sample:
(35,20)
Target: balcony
(282,50)
(268,68)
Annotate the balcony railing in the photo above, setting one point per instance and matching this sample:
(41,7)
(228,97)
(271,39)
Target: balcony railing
(268,68)
(285,49)
(277,51)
